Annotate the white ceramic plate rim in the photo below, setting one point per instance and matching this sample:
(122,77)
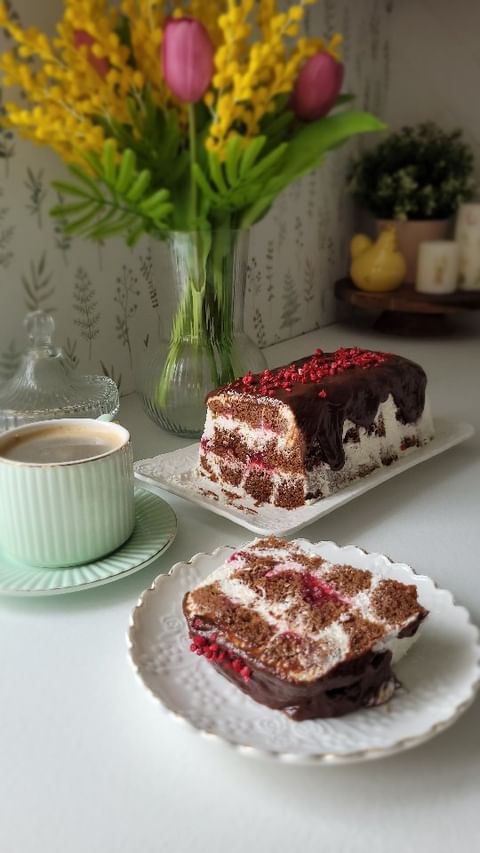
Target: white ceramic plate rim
(57,590)
(449,434)
(317,758)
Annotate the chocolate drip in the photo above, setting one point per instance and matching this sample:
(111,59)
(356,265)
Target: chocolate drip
(353,395)
(352,685)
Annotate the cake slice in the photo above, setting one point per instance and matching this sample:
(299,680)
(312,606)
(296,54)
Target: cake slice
(306,430)
(300,634)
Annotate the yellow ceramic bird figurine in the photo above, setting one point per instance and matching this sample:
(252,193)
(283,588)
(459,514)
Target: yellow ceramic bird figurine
(377,266)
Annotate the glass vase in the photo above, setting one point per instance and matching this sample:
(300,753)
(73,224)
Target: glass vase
(205,345)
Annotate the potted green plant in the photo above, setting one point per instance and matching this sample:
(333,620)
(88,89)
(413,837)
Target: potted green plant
(417,177)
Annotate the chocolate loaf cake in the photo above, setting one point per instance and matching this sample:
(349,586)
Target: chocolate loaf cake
(300,634)
(301,432)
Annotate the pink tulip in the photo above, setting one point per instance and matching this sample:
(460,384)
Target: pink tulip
(317,86)
(187,58)
(100,64)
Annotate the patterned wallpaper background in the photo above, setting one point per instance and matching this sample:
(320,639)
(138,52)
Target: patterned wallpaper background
(107,299)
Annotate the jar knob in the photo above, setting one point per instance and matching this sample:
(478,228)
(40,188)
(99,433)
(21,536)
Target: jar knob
(40,327)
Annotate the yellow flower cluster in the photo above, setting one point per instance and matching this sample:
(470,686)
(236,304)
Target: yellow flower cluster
(104,52)
(208,12)
(146,20)
(64,95)
(250,76)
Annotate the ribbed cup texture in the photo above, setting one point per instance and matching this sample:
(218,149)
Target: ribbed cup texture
(62,515)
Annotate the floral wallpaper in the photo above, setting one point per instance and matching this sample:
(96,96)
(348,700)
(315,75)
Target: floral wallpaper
(110,303)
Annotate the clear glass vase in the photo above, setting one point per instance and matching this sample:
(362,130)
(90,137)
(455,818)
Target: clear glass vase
(206,345)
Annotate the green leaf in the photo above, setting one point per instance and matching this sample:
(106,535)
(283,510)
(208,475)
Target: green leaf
(82,176)
(94,162)
(117,226)
(139,186)
(161,212)
(135,234)
(205,187)
(126,171)
(108,163)
(307,148)
(78,224)
(105,219)
(232,156)
(243,195)
(62,210)
(343,99)
(70,189)
(268,162)
(276,127)
(216,172)
(251,153)
(256,211)
(149,204)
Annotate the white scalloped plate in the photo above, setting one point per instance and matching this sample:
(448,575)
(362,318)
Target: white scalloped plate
(439,676)
(176,473)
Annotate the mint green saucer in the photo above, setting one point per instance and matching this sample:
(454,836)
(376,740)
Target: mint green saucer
(155,530)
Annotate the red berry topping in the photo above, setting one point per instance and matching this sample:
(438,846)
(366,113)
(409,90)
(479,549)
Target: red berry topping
(318,367)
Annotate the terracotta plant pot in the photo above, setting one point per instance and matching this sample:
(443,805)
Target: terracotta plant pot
(410,233)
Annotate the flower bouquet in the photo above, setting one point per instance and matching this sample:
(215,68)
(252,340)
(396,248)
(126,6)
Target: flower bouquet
(182,121)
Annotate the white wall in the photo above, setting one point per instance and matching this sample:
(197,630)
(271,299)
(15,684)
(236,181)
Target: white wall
(435,66)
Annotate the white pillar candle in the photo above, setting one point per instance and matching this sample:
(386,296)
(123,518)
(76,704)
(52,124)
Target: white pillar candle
(437,268)
(467,235)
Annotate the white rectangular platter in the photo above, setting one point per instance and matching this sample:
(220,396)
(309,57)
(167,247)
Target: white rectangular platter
(176,473)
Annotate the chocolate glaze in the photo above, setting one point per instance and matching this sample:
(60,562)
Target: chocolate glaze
(353,395)
(349,686)
(414,625)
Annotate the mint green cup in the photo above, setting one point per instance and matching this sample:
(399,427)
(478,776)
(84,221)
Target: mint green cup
(76,510)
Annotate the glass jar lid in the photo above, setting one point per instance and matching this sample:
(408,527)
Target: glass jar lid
(44,387)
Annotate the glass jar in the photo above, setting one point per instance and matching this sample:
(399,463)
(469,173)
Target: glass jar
(44,387)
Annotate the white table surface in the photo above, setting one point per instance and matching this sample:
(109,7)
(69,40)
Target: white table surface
(88,762)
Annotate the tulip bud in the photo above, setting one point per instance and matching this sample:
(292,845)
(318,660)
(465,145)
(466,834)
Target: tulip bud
(187,58)
(317,86)
(100,64)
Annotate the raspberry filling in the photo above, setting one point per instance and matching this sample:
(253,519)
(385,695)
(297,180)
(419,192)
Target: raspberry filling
(214,652)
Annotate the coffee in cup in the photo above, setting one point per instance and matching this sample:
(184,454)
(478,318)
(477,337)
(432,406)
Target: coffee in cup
(66,491)
(66,443)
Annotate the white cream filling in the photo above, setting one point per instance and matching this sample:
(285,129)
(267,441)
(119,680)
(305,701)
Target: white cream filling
(257,439)
(333,637)
(369,452)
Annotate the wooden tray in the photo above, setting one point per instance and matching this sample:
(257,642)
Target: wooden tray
(407,312)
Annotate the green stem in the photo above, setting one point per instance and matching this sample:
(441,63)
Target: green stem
(204,318)
(222,277)
(192,136)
